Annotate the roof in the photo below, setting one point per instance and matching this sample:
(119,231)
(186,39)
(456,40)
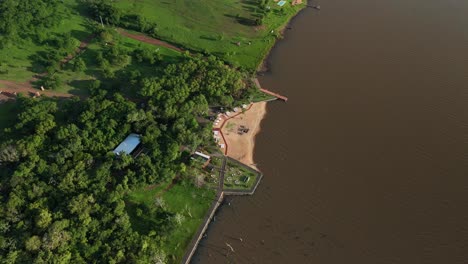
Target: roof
(202,155)
(128,145)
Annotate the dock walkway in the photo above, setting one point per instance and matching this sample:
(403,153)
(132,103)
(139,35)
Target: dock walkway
(277,95)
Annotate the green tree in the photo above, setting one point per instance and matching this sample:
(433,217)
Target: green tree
(33,243)
(79,65)
(43,219)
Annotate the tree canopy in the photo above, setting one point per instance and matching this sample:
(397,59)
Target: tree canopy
(27,17)
(62,188)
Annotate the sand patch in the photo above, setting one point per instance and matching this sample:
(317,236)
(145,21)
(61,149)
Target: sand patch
(240,143)
(296,2)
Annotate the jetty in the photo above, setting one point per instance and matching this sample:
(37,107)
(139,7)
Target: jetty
(277,95)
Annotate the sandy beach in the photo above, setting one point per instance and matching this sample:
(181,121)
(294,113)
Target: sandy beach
(241,144)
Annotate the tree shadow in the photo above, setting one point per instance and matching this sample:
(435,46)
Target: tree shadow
(242,20)
(145,219)
(80,87)
(207,37)
(251,6)
(39,61)
(80,35)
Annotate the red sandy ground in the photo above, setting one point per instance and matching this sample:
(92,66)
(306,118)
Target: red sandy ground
(297,2)
(10,87)
(241,147)
(149,40)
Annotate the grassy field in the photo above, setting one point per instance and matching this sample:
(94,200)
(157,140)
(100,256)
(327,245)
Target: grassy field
(189,201)
(18,59)
(216,26)
(221,27)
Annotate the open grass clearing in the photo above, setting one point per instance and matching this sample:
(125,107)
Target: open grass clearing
(221,27)
(185,199)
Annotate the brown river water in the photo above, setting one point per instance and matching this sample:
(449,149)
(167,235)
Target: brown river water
(368,160)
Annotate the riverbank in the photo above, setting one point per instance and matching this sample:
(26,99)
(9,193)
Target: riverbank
(237,146)
(367,165)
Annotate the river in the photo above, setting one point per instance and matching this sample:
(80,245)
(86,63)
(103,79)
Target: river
(368,160)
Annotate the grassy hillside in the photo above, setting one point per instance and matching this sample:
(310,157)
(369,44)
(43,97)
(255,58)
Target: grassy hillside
(222,27)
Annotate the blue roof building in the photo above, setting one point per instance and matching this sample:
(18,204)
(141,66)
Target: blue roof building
(129,144)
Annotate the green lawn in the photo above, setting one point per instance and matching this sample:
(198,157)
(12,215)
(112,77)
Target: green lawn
(189,201)
(215,26)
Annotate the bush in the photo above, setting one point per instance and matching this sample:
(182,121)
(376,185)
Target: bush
(79,65)
(51,81)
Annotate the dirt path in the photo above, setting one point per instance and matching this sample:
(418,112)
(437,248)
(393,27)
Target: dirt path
(81,48)
(9,88)
(149,40)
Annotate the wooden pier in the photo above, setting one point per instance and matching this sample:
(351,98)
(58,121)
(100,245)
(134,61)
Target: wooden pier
(278,96)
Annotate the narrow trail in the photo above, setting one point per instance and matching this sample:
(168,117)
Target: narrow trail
(83,45)
(149,40)
(9,88)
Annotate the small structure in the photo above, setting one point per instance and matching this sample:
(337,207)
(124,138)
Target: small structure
(202,155)
(281,3)
(128,146)
(205,157)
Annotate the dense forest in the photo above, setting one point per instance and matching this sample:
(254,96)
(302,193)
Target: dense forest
(62,188)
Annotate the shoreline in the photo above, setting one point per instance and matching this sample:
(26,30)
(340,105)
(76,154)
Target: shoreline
(190,251)
(263,66)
